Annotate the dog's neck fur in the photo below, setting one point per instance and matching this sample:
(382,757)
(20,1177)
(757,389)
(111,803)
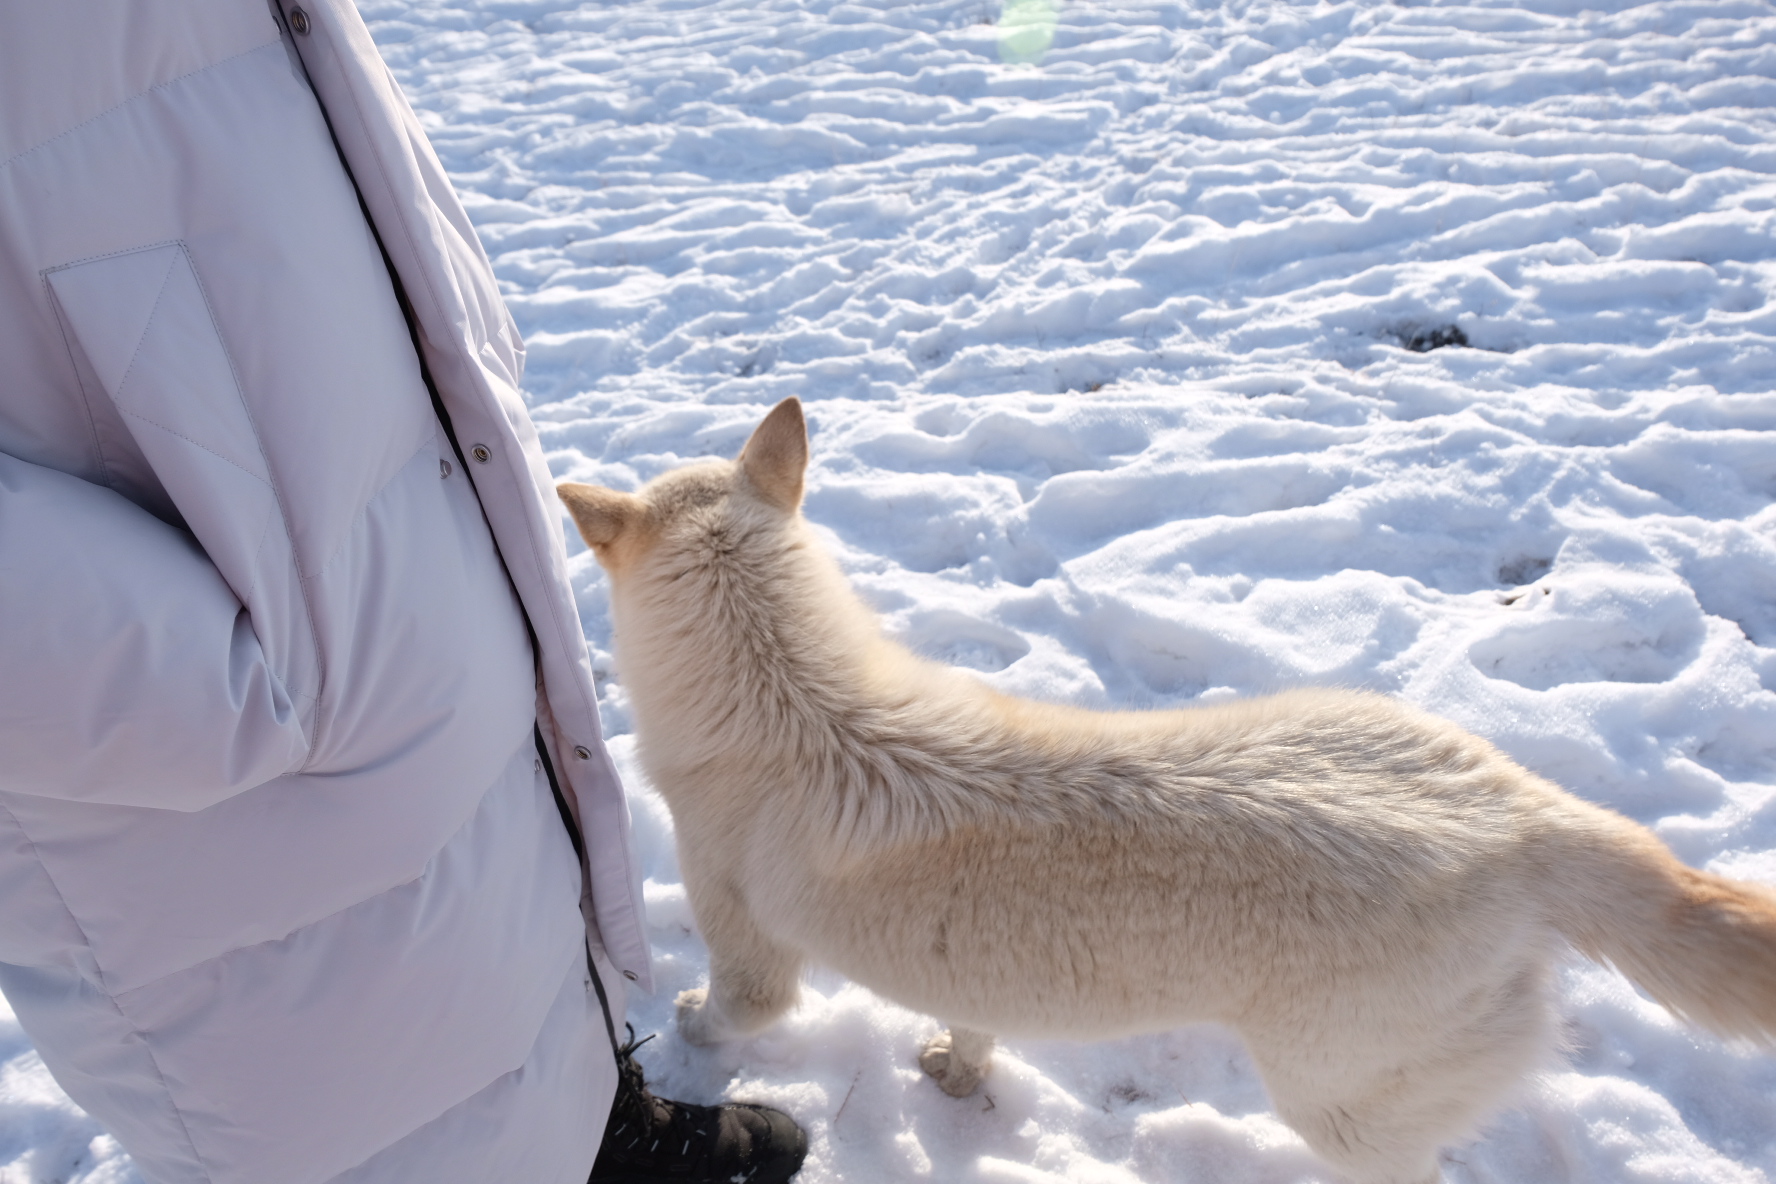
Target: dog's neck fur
(739,634)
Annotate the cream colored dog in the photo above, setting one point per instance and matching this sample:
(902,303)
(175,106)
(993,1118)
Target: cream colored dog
(1370,896)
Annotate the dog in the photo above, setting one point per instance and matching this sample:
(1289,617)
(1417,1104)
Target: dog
(1371,896)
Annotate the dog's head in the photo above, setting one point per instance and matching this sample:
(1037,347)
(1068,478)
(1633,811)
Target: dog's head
(699,506)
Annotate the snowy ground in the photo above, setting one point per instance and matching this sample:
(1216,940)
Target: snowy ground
(1111,318)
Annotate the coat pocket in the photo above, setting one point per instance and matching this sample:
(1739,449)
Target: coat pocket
(144,324)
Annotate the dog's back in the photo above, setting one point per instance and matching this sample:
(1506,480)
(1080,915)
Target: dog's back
(1048,871)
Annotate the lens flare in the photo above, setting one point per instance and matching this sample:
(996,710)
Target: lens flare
(1026,30)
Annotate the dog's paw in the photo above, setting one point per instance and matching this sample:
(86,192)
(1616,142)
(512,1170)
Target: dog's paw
(695,1023)
(954,1075)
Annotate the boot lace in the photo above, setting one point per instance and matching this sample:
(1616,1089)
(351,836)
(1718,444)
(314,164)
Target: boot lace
(643,1127)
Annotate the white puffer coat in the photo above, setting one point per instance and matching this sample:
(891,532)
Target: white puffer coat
(285,893)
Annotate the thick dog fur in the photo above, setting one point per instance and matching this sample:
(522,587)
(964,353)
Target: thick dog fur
(1371,896)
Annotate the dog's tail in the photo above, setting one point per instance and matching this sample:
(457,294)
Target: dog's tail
(1701,944)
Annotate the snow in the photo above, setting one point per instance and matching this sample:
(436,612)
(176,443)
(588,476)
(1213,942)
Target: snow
(1101,314)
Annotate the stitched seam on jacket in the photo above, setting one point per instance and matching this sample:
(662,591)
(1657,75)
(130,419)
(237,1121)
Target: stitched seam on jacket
(363,510)
(68,131)
(61,898)
(308,608)
(423,872)
(147,325)
(70,336)
(264,538)
(86,398)
(121,251)
(387,182)
(198,444)
(448,1109)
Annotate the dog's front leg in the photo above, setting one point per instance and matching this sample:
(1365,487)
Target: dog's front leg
(957,1059)
(752,979)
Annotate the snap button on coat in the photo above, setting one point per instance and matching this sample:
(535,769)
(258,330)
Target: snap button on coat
(480,452)
(299,21)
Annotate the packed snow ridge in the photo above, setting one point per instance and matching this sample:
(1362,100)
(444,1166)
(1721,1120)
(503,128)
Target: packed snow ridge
(1165,353)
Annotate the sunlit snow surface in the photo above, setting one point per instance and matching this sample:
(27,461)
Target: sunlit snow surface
(1103,357)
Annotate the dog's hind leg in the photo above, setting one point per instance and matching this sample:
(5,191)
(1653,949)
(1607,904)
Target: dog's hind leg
(1378,1108)
(957,1059)
(752,979)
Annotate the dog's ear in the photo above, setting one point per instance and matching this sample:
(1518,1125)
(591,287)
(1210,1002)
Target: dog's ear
(776,457)
(601,514)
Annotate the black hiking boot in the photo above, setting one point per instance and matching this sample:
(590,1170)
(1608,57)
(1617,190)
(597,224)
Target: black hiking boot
(649,1140)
